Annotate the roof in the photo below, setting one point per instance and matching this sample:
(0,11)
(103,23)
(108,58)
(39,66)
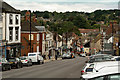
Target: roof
(8,8)
(98,37)
(25,26)
(88,30)
(109,30)
(41,28)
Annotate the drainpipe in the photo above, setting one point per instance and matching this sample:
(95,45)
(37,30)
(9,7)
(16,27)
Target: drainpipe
(5,37)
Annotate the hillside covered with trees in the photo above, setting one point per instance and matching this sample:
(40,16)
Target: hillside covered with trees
(72,21)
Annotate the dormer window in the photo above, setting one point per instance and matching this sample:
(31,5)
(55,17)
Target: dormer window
(11,19)
(17,19)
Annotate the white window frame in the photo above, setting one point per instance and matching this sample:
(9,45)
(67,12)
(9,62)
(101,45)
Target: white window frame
(43,36)
(38,37)
(11,34)
(37,48)
(32,37)
(10,18)
(17,34)
(16,18)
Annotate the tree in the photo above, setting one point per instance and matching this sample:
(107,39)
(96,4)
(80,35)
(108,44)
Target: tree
(81,22)
(46,15)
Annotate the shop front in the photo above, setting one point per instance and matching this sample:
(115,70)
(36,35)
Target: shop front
(3,49)
(13,50)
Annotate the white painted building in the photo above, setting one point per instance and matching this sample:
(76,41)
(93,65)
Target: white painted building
(11,30)
(12,27)
(49,43)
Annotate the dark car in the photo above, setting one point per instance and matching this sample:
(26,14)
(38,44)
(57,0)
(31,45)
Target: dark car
(5,65)
(15,62)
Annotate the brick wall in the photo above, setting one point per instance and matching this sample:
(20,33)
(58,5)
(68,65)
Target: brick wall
(25,43)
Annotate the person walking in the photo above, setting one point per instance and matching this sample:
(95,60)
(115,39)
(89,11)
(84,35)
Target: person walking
(49,55)
(56,55)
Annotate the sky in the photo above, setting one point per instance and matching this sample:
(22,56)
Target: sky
(64,5)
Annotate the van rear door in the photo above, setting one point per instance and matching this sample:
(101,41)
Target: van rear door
(33,57)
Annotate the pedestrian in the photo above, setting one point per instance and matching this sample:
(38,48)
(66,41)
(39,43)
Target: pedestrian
(49,55)
(55,57)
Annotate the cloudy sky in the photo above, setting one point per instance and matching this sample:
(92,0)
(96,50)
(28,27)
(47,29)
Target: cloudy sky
(64,5)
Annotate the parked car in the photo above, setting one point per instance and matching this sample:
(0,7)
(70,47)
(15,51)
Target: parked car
(100,58)
(5,65)
(104,73)
(82,55)
(116,58)
(66,56)
(15,62)
(87,65)
(26,61)
(94,67)
(36,57)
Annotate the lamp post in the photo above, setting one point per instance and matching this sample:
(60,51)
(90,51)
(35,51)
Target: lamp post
(112,36)
(30,31)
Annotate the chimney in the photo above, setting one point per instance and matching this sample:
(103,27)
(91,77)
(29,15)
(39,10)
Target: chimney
(113,23)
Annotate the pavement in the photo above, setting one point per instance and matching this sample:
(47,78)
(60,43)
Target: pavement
(67,68)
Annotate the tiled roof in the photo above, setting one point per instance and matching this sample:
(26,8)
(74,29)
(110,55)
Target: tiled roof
(8,8)
(25,26)
(88,30)
(98,37)
(109,30)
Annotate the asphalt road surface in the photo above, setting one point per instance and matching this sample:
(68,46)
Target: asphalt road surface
(67,68)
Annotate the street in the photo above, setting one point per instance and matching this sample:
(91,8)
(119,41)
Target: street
(68,68)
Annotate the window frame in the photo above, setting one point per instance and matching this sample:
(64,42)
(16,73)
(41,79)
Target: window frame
(10,19)
(16,19)
(17,34)
(38,37)
(11,34)
(43,36)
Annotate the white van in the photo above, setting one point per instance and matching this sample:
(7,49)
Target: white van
(36,57)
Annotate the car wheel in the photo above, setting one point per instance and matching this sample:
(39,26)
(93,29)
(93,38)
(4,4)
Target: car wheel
(17,66)
(43,62)
(21,65)
(39,62)
(10,68)
(28,65)
(3,68)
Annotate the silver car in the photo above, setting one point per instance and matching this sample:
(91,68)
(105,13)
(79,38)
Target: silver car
(26,61)
(66,56)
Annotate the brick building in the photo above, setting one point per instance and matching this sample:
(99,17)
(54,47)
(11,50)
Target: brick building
(37,38)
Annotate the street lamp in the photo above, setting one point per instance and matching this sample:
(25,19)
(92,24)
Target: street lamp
(30,31)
